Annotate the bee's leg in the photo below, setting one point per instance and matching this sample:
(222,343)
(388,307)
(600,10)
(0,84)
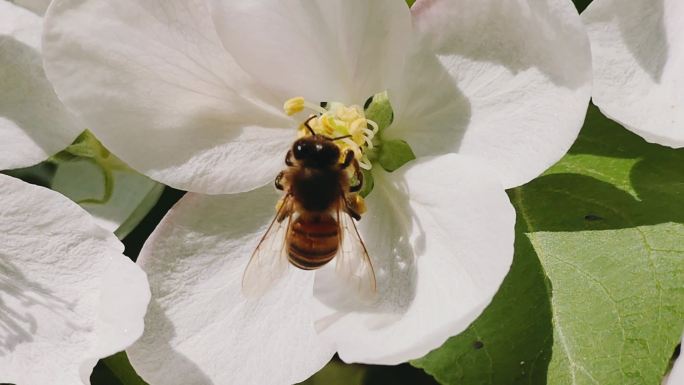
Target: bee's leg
(279,181)
(348,159)
(288,159)
(351,211)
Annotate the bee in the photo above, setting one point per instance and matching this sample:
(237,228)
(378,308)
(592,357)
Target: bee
(314,220)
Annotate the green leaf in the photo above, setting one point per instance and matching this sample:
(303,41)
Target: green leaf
(368,183)
(410,3)
(121,368)
(606,225)
(380,110)
(338,373)
(394,154)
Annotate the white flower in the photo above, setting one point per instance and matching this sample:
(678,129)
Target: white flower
(637,49)
(35,125)
(68,296)
(487,93)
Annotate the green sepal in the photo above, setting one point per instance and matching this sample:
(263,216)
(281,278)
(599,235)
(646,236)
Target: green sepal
(410,3)
(393,154)
(368,183)
(380,110)
(87,146)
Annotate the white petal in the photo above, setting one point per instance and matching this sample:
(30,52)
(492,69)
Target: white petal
(324,50)
(33,122)
(132,197)
(200,328)
(512,89)
(638,52)
(440,232)
(154,84)
(67,295)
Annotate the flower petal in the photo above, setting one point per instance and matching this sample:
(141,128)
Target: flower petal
(440,232)
(637,48)
(154,84)
(33,122)
(201,329)
(67,295)
(133,195)
(324,50)
(510,85)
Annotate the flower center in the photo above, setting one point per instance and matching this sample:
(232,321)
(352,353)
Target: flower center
(348,125)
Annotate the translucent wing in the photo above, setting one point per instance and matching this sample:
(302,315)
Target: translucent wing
(353,264)
(269,260)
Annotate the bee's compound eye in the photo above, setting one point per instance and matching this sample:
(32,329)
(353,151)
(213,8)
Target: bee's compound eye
(301,149)
(329,153)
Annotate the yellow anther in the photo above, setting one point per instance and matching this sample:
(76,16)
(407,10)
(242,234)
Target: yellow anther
(294,105)
(336,121)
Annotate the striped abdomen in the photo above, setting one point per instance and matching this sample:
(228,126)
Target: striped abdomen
(312,241)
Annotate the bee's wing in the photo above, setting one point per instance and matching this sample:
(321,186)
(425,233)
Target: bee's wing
(269,260)
(353,264)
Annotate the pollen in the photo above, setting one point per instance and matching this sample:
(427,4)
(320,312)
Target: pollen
(294,105)
(348,123)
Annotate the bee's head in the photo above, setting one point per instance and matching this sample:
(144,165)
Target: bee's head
(316,151)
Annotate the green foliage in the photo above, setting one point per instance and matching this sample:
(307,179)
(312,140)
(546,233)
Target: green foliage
(338,373)
(605,225)
(368,183)
(380,110)
(115,370)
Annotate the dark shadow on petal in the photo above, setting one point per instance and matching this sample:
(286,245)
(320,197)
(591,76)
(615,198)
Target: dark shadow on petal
(434,120)
(21,299)
(644,33)
(517,35)
(157,319)
(393,256)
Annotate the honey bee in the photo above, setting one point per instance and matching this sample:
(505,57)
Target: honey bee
(314,222)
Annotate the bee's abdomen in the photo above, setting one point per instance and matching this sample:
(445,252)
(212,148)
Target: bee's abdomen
(312,243)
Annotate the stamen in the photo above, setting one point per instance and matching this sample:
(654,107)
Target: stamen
(348,123)
(297,104)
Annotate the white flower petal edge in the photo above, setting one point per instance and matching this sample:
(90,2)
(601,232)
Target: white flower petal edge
(67,295)
(132,197)
(513,80)
(638,52)
(33,122)
(440,232)
(324,50)
(158,89)
(676,376)
(201,330)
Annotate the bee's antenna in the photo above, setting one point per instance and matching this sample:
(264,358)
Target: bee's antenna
(340,137)
(306,123)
